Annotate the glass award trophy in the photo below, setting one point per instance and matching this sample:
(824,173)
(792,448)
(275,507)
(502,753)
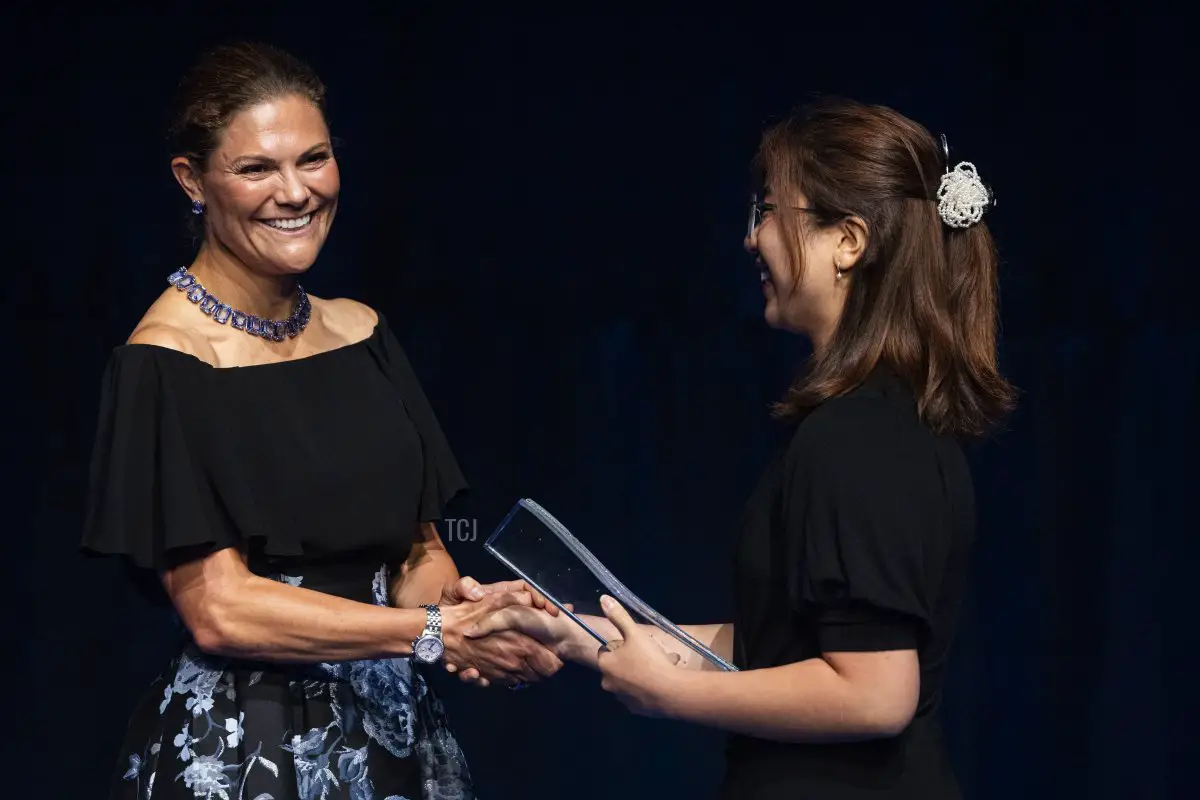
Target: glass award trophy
(542,552)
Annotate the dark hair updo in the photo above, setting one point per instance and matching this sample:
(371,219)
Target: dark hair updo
(227,80)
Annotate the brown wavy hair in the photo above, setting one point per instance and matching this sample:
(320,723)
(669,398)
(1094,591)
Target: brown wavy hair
(923,298)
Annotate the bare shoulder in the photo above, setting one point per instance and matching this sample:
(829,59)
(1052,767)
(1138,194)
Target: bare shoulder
(159,332)
(350,312)
(347,318)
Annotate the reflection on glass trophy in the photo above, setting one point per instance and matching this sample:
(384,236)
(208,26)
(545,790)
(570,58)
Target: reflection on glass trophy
(539,549)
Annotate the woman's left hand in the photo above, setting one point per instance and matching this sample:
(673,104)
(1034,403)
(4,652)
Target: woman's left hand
(636,668)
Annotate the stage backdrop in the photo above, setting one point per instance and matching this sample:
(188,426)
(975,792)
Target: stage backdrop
(550,211)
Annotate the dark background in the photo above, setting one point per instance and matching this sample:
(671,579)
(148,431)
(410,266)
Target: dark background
(549,209)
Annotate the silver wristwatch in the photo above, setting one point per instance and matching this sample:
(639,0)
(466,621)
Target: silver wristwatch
(428,647)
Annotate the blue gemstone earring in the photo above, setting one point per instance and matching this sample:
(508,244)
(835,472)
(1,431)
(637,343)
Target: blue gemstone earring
(197,207)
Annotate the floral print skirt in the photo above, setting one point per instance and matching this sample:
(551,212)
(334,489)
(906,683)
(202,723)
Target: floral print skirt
(363,730)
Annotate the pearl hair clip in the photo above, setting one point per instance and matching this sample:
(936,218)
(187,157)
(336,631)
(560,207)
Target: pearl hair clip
(962,197)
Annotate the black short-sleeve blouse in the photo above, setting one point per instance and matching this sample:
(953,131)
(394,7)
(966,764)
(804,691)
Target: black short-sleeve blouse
(331,454)
(855,539)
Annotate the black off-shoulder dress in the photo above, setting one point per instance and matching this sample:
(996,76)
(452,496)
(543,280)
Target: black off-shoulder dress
(321,468)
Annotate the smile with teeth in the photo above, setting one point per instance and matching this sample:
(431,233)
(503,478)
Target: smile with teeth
(764,274)
(293,224)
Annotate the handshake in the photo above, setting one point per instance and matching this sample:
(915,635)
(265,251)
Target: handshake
(509,634)
(505,633)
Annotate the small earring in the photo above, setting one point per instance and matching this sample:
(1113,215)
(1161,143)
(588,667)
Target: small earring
(840,272)
(197,207)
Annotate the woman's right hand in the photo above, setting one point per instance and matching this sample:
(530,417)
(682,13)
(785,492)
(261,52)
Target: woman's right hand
(557,633)
(508,656)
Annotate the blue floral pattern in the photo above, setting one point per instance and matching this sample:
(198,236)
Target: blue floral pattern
(385,702)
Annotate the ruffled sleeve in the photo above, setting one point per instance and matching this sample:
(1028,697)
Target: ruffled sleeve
(865,530)
(442,479)
(148,497)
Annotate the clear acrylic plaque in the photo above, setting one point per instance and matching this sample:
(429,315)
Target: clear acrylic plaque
(542,552)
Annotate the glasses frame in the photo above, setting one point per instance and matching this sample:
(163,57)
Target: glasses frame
(759,208)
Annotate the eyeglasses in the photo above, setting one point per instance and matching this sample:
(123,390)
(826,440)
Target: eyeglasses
(759,209)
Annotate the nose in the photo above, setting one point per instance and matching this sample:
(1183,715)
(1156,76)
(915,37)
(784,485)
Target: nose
(292,191)
(750,243)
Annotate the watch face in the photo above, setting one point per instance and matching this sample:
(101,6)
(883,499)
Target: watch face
(428,649)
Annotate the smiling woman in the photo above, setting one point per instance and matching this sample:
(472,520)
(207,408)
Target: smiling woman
(252,151)
(293,530)
(269,191)
(852,552)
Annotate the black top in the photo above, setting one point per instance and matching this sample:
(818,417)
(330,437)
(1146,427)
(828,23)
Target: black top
(855,539)
(335,454)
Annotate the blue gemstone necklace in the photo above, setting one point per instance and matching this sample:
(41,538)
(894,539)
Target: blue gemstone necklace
(221,313)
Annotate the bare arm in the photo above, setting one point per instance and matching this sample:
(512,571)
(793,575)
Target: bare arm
(427,570)
(838,697)
(231,611)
